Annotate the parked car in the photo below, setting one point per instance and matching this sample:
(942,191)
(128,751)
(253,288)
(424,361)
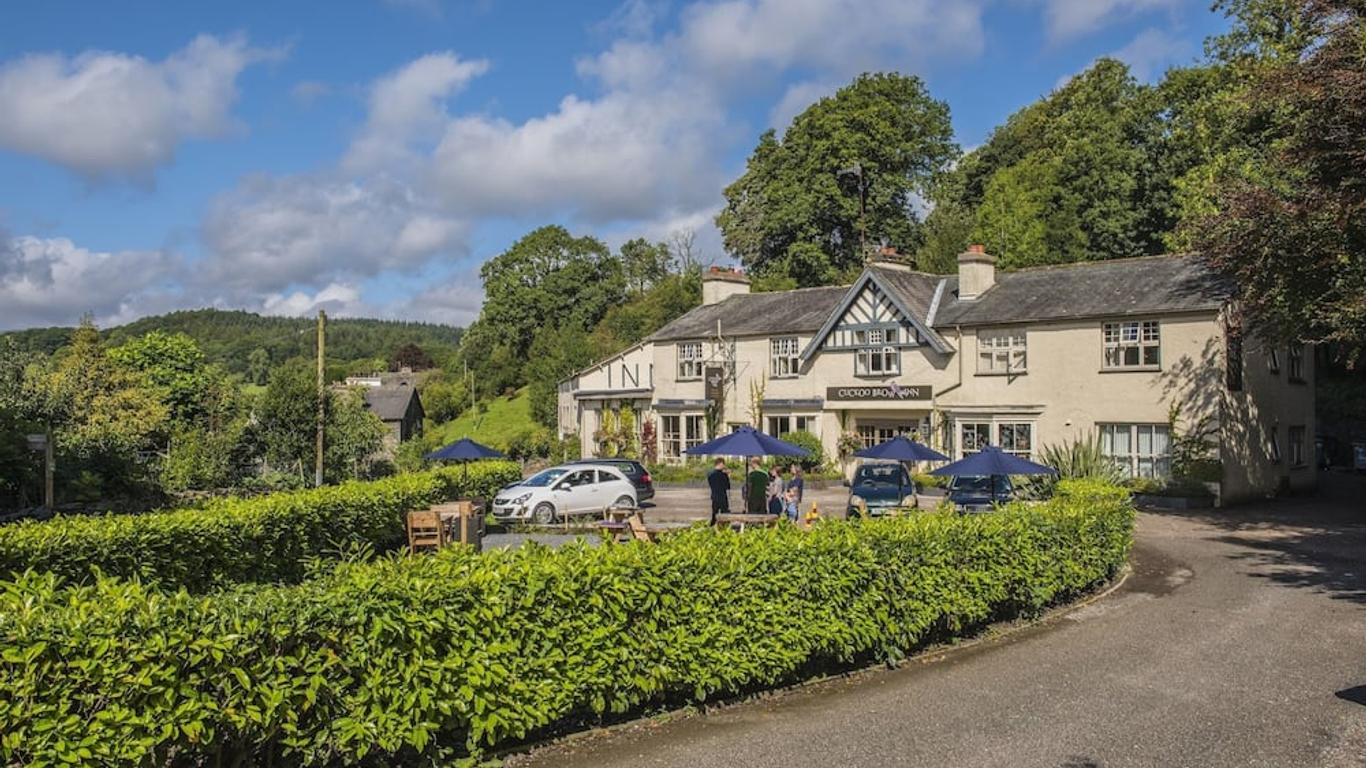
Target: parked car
(977,494)
(874,488)
(634,471)
(553,493)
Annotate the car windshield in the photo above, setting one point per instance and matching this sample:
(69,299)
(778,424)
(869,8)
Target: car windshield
(981,484)
(542,479)
(880,475)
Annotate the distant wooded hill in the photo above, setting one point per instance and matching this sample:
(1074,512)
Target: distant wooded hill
(230,337)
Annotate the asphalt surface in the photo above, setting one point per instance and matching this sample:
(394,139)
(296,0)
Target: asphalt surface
(1239,640)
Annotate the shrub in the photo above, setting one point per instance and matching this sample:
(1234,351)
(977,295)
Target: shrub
(232,540)
(812,444)
(416,660)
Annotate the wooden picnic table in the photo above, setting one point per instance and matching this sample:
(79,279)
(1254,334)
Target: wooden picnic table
(742,520)
(453,515)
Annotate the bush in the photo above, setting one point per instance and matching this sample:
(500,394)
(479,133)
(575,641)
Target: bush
(232,540)
(812,444)
(417,660)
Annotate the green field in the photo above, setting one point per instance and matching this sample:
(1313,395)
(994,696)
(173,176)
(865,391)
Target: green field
(505,418)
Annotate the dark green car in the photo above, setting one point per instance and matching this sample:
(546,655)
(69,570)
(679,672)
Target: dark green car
(878,487)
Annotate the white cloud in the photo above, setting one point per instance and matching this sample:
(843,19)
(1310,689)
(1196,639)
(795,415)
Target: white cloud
(341,299)
(1152,51)
(54,282)
(454,302)
(1066,19)
(407,106)
(105,114)
(271,233)
(796,99)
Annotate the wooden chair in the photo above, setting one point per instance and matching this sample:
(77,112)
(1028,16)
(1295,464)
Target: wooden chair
(639,530)
(425,529)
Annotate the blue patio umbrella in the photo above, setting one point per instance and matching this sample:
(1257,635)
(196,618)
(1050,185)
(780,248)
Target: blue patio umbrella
(746,441)
(464,451)
(901,449)
(992,462)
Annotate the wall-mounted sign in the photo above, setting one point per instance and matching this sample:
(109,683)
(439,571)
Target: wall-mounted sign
(891,391)
(715,385)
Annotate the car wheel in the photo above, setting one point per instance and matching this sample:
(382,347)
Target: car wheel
(543,514)
(624,501)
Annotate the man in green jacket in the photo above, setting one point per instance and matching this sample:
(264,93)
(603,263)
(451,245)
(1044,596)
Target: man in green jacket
(756,488)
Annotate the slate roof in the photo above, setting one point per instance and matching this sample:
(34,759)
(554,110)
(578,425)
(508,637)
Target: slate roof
(803,310)
(389,403)
(1148,285)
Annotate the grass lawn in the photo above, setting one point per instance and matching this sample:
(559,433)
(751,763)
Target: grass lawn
(505,418)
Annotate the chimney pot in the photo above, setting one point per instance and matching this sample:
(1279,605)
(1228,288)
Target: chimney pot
(976,272)
(720,283)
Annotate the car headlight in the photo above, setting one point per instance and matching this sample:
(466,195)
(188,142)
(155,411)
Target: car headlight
(521,499)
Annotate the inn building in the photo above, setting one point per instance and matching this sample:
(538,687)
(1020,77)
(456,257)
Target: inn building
(1017,359)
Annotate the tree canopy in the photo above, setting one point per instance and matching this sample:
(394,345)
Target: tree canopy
(796,208)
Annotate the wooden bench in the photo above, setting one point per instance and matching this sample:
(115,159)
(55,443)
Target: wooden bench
(741,521)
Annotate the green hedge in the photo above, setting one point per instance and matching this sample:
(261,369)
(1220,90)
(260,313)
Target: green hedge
(261,539)
(421,659)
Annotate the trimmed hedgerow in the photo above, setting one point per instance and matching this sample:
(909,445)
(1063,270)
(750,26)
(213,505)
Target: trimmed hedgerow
(228,541)
(419,660)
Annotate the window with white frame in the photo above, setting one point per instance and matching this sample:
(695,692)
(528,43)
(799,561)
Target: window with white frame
(671,435)
(1133,344)
(786,423)
(1016,437)
(1297,435)
(689,360)
(695,431)
(1001,351)
(876,355)
(1296,362)
(1139,450)
(782,356)
(973,436)
(874,434)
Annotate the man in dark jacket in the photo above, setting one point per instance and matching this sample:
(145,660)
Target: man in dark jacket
(719,482)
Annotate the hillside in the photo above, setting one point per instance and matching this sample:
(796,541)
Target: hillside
(228,337)
(505,418)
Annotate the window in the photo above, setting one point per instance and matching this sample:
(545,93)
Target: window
(782,360)
(1297,446)
(1016,438)
(1132,344)
(672,436)
(696,431)
(1273,360)
(873,434)
(782,425)
(885,361)
(1274,443)
(973,436)
(1233,360)
(1140,450)
(1001,352)
(1296,362)
(690,360)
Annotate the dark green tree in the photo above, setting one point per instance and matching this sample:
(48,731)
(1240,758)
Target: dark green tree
(796,209)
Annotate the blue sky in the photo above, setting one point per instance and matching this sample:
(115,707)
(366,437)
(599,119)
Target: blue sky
(367,156)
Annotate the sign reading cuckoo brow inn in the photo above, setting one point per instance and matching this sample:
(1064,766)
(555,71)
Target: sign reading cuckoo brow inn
(891,391)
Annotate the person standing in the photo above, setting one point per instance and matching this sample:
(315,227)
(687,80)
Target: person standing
(756,488)
(719,482)
(775,490)
(797,483)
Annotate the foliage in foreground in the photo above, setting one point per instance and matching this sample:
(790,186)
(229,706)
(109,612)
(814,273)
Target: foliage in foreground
(229,541)
(419,660)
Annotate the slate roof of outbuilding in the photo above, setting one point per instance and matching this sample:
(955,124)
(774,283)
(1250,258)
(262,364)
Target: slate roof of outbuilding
(1148,285)
(389,403)
(803,310)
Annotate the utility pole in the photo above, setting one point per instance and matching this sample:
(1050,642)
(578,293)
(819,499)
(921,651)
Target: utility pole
(322,397)
(49,497)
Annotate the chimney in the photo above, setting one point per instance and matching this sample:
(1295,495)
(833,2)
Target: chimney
(976,272)
(720,283)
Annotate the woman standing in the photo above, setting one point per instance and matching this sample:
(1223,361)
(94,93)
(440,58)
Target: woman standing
(776,487)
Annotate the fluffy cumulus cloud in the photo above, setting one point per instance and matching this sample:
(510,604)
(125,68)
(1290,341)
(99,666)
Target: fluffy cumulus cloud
(105,114)
(1067,19)
(54,281)
(271,233)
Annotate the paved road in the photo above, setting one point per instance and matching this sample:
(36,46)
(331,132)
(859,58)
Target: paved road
(1238,641)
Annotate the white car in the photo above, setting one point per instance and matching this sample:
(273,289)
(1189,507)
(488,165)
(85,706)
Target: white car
(553,493)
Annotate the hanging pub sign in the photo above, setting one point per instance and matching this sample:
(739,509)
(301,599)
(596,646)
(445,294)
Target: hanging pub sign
(715,379)
(893,391)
